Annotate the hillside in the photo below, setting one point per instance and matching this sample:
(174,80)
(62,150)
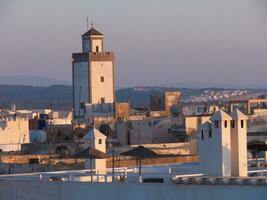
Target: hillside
(36,97)
(26,97)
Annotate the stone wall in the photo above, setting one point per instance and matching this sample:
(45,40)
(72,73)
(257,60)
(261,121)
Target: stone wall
(43,190)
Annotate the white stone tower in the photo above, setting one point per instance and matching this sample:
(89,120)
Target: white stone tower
(96,140)
(215,145)
(204,141)
(239,143)
(92,73)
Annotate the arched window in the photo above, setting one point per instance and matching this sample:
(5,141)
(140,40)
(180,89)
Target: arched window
(216,124)
(233,123)
(210,133)
(202,134)
(225,124)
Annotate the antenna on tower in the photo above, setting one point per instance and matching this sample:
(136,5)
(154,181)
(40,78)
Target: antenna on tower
(92,24)
(87,23)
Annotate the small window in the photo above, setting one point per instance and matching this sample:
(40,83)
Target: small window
(102,79)
(82,105)
(233,123)
(242,123)
(89,142)
(225,124)
(216,124)
(210,133)
(100,141)
(202,135)
(97,49)
(102,100)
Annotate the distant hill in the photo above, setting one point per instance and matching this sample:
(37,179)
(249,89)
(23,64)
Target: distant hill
(26,97)
(31,80)
(140,96)
(36,97)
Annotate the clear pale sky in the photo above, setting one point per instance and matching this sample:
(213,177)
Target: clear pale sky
(155,41)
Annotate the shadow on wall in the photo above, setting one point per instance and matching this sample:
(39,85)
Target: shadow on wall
(226,159)
(3,124)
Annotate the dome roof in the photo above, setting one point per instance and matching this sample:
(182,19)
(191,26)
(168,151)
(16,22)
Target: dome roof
(92,32)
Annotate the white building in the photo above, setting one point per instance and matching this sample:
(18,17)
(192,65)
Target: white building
(239,143)
(93,73)
(13,133)
(223,145)
(96,140)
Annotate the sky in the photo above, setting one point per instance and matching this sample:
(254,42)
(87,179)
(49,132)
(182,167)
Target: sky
(155,41)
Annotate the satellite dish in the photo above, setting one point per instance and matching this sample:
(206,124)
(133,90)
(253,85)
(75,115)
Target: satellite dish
(79,132)
(63,150)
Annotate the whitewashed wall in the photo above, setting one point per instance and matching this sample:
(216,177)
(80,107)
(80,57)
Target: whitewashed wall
(102,89)
(13,132)
(42,190)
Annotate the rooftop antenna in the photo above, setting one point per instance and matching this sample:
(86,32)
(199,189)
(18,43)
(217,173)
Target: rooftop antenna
(92,24)
(87,23)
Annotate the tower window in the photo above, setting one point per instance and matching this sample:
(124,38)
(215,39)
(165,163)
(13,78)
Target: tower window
(100,141)
(82,105)
(225,124)
(102,79)
(216,123)
(233,123)
(202,135)
(210,134)
(97,49)
(103,100)
(242,123)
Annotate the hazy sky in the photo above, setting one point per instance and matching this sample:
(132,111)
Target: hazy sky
(155,41)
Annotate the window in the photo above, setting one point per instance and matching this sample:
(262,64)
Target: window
(210,133)
(216,123)
(242,123)
(89,142)
(102,79)
(100,141)
(225,124)
(97,49)
(202,135)
(233,123)
(82,105)
(103,100)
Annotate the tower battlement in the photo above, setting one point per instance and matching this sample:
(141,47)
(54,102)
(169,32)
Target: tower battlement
(6,122)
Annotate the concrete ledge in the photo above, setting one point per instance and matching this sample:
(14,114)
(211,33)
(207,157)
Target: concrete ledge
(252,181)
